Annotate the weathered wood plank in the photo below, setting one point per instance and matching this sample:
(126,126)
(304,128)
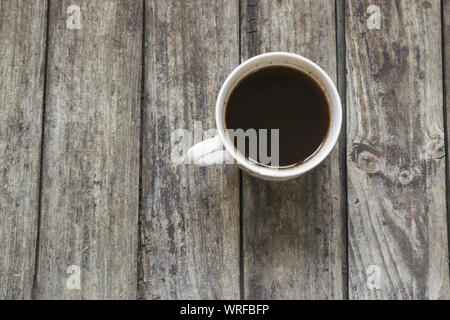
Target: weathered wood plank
(190,215)
(293,246)
(91,151)
(22,56)
(395,152)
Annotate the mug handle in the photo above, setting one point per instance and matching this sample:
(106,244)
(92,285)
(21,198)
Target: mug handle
(208,152)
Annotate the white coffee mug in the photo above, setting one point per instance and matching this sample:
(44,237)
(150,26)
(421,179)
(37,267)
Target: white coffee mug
(221,149)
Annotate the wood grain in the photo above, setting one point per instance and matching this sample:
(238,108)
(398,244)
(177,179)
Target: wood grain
(293,244)
(395,151)
(22,56)
(190,215)
(91,151)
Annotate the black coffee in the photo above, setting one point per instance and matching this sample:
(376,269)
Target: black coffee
(281,98)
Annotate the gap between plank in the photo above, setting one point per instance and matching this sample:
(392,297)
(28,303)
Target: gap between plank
(241,211)
(41,160)
(341,69)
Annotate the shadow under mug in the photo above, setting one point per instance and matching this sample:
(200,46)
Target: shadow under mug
(220,149)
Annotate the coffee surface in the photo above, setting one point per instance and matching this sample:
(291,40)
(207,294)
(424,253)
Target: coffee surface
(281,98)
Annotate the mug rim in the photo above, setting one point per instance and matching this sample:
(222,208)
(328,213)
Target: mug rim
(334,102)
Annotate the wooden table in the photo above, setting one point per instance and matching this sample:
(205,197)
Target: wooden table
(88,188)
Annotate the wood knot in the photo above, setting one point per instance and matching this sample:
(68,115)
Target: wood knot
(426,5)
(406,177)
(365,157)
(435,148)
